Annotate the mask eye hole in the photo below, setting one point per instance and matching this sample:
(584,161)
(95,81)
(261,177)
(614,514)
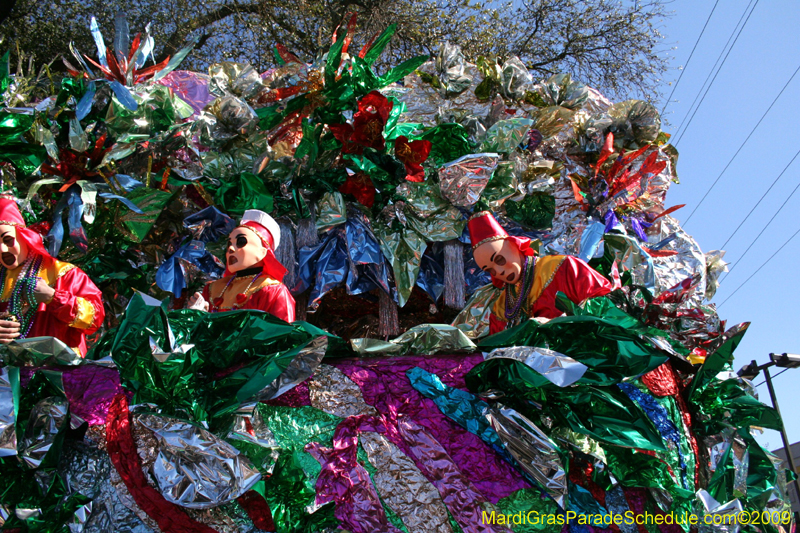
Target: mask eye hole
(9,241)
(499,260)
(241,241)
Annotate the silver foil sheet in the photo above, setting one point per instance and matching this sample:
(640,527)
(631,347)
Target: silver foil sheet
(462,181)
(195,468)
(8,418)
(559,369)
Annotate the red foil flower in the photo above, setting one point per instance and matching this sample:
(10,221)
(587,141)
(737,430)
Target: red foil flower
(367,128)
(360,185)
(412,154)
(74,166)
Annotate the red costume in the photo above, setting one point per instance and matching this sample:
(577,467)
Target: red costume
(76,308)
(552,274)
(257,287)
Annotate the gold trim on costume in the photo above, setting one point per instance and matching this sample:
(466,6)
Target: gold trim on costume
(7,223)
(544,272)
(85,315)
(489,239)
(480,214)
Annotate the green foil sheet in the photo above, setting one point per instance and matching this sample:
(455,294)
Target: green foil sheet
(331,211)
(290,491)
(449,142)
(611,352)
(245,191)
(199,365)
(529,512)
(152,202)
(155,113)
(404,248)
(505,135)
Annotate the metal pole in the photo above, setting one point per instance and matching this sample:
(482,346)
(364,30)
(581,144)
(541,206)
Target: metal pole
(786,447)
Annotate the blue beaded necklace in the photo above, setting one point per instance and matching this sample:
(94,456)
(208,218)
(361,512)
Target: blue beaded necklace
(23,294)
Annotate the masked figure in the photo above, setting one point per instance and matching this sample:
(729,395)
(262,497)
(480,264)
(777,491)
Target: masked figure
(253,273)
(531,283)
(42,296)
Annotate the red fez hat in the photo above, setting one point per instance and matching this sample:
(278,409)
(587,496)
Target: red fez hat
(483,228)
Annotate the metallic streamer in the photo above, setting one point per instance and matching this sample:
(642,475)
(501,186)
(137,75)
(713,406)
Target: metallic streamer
(334,393)
(403,487)
(532,449)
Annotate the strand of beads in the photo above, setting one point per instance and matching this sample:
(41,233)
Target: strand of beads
(514,304)
(24,292)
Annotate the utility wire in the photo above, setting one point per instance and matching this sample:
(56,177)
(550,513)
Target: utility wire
(690,58)
(759,268)
(762,196)
(773,377)
(711,72)
(737,153)
(715,75)
(775,214)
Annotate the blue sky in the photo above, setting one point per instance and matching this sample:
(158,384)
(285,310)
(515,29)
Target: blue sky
(763,59)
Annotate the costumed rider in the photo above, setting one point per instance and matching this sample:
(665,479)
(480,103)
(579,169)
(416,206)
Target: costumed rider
(531,282)
(252,279)
(42,296)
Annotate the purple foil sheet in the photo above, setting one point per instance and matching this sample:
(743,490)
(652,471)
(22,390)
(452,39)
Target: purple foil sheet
(384,385)
(89,389)
(191,87)
(344,481)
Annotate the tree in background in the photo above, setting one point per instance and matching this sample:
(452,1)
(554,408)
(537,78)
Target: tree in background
(610,44)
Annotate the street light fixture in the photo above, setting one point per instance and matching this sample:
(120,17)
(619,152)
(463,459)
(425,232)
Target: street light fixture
(784,360)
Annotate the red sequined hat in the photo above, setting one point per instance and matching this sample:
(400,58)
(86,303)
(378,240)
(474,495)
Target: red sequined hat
(10,216)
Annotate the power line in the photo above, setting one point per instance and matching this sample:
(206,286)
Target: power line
(690,58)
(762,196)
(715,75)
(737,153)
(773,377)
(775,214)
(759,268)
(719,58)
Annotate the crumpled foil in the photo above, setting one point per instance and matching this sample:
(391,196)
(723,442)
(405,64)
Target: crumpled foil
(715,266)
(226,118)
(191,87)
(451,67)
(425,338)
(299,369)
(330,211)
(515,80)
(239,79)
(532,449)
(48,418)
(251,435)
(462,181)
(505,135)
(195,468)
(562,90)
(559,369)
(87,470)
(404,488)
(8,417)
(728,512)
(689,262)
(473,320)
(40,351)
(331,391)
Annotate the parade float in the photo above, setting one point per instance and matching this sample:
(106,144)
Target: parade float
(386,405)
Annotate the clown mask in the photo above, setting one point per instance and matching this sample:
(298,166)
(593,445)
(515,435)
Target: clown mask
(13,251)
(501,259)
(245,249)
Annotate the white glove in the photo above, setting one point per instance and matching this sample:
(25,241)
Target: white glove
(197,302)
